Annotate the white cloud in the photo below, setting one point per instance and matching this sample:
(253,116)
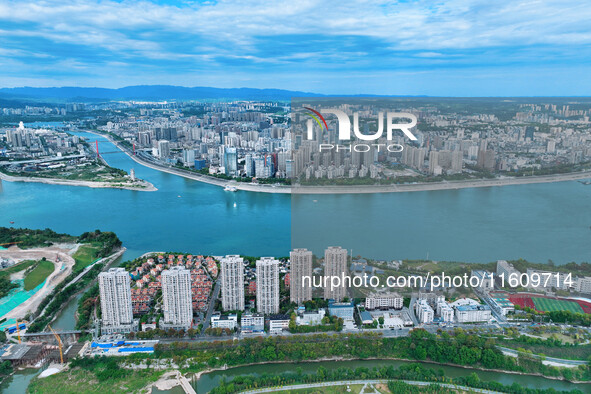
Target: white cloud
(415,25)
(143,41)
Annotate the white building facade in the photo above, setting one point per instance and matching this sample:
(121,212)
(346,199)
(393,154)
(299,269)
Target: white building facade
(424,312)
(267,281)
(384,301)
(232,283)
(176,298)
(116,308)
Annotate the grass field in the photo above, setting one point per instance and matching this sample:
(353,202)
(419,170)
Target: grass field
(84,256)
(39,274)
(551,305)
(23,265)
(80,381)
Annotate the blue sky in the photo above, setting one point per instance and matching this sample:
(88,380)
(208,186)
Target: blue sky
(446,48)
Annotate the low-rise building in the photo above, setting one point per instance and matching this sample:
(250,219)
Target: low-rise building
(583,285)
(547,280)
(485,280)
(278,323)
(224,321)
(424,312)
(473,313)
(252,322)
(343,310)
(500,302)
(505,271)
(444,311)
(312,318)
(384,301)
(366,317)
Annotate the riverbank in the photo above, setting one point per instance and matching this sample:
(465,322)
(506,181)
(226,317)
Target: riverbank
(433,186)
(250,187)
(145,186)
(143,379)
(200,374)
(364,383)
(106,261)
(355,189)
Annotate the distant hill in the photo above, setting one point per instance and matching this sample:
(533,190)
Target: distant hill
(150,92)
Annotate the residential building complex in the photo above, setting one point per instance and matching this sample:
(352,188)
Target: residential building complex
(176,298)
(384,301)
(267,280)
(335,264)
(232,285)
(115,294)
(424,312)
(444,311)
(300,267)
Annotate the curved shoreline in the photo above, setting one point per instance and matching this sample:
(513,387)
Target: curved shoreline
(197,177)
(356,189)
(68,182)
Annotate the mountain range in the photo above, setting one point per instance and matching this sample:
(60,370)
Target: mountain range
(150,92)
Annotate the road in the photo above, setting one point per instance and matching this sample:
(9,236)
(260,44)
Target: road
(103,260)
(484,296)
(214,296)
(363,382)
(61,158)
(551,359)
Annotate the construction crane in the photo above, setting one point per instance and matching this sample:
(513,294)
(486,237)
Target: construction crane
(11,243)
(59,343)
(18,332)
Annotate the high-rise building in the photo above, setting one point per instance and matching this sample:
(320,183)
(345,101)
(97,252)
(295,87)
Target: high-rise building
(267,285)
(335,264)
(249,165)
(163,149)
(301,266)
(232,283)
(176,298)
(231,161)
(456,160)
(116,309)
(486,159)
(434,166)
(189,157)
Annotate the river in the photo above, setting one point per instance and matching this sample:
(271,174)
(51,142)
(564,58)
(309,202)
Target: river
(211,380)
(538,222)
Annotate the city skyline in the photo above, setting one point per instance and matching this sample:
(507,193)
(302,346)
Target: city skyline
(457,48)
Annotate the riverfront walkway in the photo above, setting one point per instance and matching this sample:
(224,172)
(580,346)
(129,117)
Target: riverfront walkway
(364,382)
(186,385)
(564,362)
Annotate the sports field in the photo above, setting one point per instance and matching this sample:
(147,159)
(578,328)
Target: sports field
(551,305)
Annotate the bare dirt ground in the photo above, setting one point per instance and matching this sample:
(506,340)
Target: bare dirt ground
(59,254)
